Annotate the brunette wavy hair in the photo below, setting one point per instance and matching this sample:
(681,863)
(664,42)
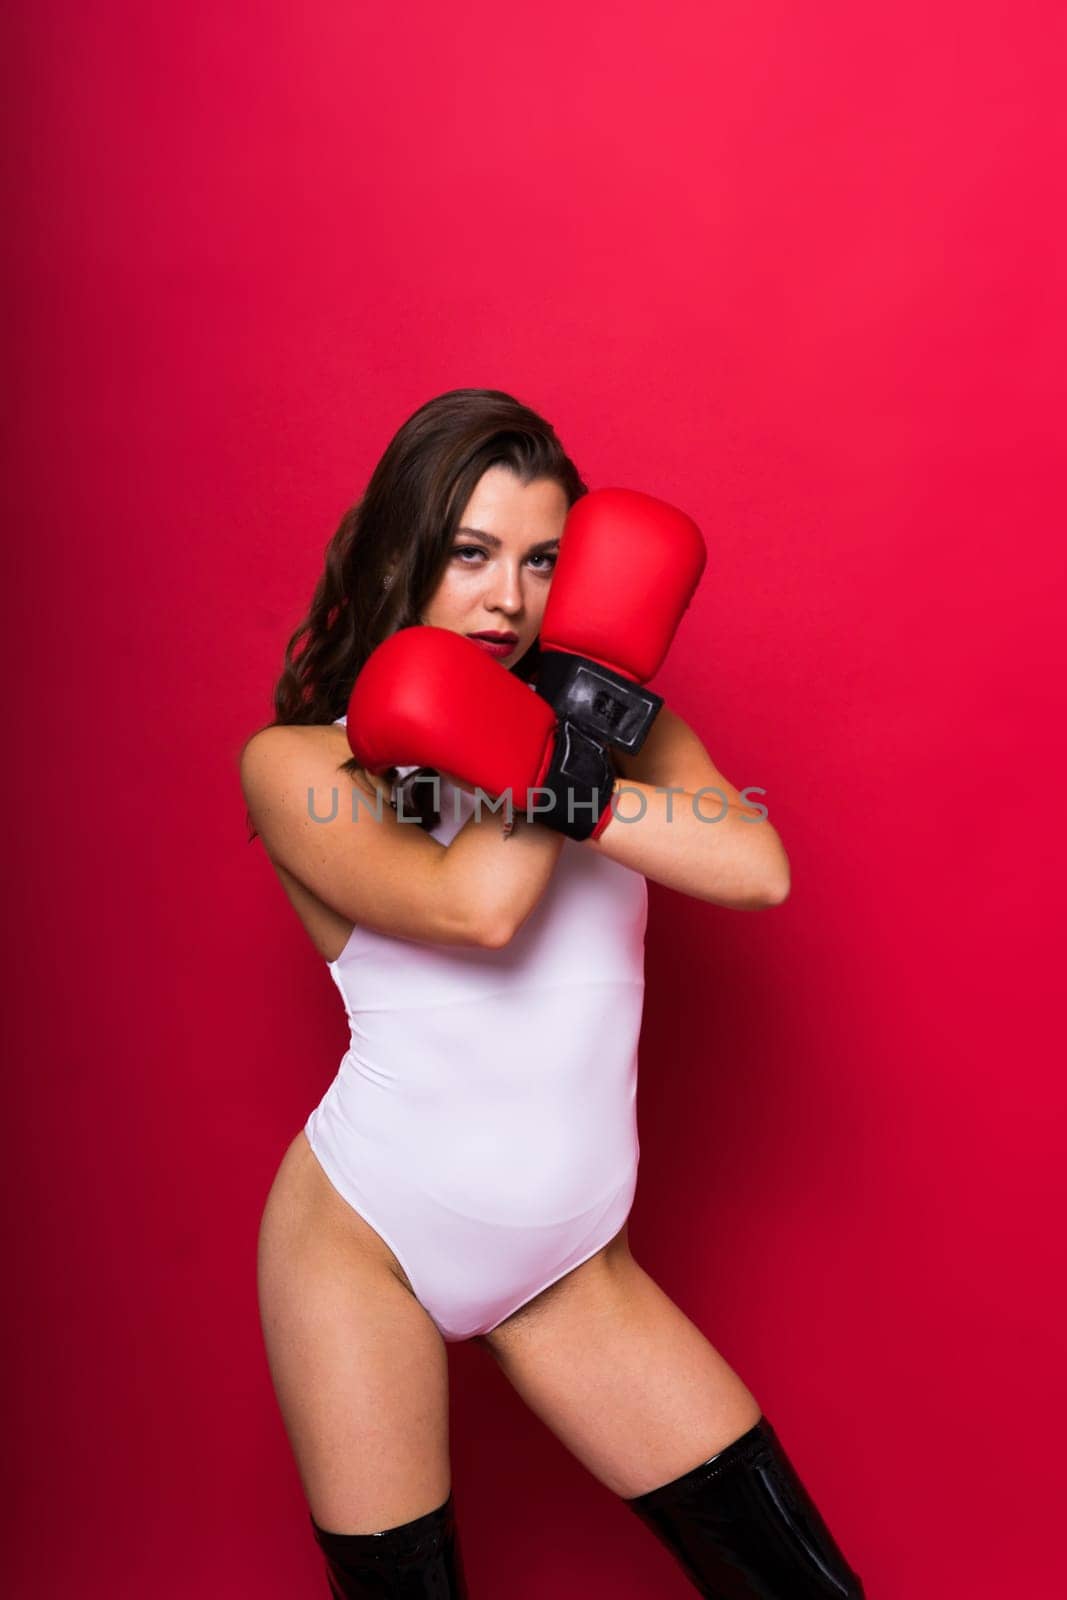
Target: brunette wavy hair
(392,547)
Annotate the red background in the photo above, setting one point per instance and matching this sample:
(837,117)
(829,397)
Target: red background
(797,269)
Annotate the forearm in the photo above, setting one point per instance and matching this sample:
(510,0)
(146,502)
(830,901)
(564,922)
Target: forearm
(671,838)
(501,876)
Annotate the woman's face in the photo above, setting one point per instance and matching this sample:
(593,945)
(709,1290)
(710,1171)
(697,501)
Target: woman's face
(500,567)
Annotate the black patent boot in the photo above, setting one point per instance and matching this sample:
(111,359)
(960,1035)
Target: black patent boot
(419,1560)
(743,1527)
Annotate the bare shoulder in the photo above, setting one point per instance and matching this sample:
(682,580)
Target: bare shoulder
(303,754)
(271,742)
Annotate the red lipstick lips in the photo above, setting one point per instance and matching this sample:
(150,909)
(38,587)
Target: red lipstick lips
(497,644)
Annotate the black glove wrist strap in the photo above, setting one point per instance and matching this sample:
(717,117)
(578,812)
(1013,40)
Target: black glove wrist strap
(609,707)
(579,784)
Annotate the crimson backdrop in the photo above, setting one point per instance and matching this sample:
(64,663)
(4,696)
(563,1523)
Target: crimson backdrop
(797,268)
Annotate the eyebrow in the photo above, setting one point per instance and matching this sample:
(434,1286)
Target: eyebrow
(492,540)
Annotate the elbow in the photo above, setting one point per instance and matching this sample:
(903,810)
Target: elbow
(779,878)
(496,935)
(777,892)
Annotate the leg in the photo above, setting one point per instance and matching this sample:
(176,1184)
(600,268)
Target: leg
(742,1526)
(361,1377)
(635,1391)
(620,1375)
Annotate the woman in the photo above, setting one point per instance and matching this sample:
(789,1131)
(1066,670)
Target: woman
(470,1170)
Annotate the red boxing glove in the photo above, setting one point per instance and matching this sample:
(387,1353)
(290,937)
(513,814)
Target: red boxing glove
(429,697)
(628,567)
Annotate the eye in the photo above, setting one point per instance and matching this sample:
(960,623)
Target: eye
(460,550)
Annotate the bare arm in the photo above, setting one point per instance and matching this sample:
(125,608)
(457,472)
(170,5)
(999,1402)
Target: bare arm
(717,848)
(384,874)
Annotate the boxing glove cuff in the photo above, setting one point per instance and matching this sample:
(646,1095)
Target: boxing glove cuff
(580,782)
(608,706)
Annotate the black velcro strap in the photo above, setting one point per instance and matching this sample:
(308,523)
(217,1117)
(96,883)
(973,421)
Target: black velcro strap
(614,709)
(579,784)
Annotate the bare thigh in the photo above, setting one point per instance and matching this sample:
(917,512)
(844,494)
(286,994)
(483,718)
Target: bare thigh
(358,1367)
(622,1376)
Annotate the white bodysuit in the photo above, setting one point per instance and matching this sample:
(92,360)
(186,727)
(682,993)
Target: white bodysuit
(483,1119)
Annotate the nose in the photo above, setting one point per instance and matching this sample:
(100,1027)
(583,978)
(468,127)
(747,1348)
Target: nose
(504,591)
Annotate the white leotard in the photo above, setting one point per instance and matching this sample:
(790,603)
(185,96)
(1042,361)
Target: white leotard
(483,1119)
